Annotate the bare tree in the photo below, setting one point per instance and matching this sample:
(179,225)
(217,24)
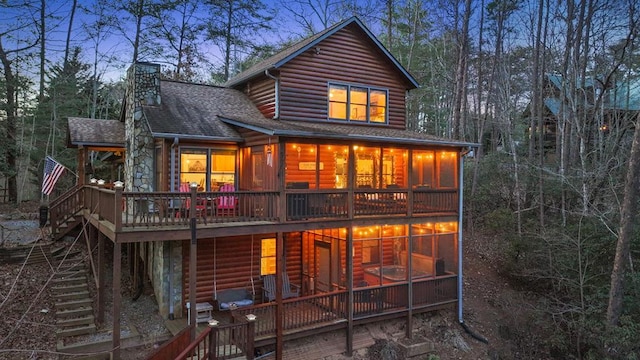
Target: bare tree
(181,29)
(97,29)
(139,13)
(16,20)
(67,46)
(461,70)
(233,25)
(628,216)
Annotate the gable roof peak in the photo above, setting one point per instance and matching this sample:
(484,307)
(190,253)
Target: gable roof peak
(278,60)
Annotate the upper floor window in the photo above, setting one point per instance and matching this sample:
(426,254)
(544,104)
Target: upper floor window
(357,103)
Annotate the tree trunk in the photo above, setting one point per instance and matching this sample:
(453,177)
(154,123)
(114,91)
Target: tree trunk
(463,53)
(227,52)
(625,232)
(10,147)
(42,49)
(74,5)
(136,42)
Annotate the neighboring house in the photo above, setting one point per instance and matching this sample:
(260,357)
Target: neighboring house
(618,104)
(301,165)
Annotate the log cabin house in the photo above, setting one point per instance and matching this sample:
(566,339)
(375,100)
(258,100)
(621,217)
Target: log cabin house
(300,166)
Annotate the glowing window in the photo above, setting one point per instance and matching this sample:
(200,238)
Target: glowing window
(268,256)
(357,103)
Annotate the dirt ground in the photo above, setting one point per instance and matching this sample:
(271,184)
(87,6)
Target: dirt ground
(499,317)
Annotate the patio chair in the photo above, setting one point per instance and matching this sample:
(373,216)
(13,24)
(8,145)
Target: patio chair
(226,204)
(288,290)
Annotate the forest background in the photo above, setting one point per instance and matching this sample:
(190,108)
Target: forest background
(553,186)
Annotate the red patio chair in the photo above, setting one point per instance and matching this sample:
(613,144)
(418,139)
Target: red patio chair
(226,205)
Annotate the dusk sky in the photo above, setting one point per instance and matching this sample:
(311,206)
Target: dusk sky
(115,51)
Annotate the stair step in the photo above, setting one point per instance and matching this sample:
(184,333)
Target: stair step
(71,274)
(73,304)
(65,289)
(71,267)
(75,331)
(72,313)
(66,322)
(67,255)
(72,296)
(58,250)
(66,281)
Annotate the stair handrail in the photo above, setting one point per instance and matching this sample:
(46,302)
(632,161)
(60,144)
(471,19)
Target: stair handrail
(65,195)
(59,213)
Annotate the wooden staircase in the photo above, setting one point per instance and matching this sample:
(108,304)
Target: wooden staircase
(66,226)
(73,303)
(65,212)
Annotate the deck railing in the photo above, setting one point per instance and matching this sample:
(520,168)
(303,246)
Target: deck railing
(222,341)
(298,313)
(168,209)
(377,299)
(443,289)
(434,200)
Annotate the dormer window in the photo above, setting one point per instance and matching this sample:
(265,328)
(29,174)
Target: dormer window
(357,103)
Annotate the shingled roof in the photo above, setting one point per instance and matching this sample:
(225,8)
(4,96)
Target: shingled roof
(291,52)
(95,132)
(192,110)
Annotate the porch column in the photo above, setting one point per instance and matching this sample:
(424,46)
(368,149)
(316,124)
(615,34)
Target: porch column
(282,198)
(82,160)
(409,330)
(192,263)
(279,309)
(101,267)
(117,298)
(350,294)
(410,185)
(351,181)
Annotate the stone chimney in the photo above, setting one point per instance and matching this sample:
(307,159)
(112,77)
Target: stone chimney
(143,89)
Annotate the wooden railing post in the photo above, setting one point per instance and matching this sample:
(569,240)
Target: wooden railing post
(213,337)
(251,328)
(118,207)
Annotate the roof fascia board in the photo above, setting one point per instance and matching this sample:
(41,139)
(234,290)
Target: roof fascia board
(247,126)
(87,144)
(194,137)
(310,134)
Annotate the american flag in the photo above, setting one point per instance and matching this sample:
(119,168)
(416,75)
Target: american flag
(52,172)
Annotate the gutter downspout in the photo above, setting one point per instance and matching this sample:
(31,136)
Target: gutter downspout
(173,188)
(276,110)
(460,202)
(173,164)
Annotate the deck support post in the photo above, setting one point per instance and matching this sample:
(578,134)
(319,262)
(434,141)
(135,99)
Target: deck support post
(192,263)
(213,340)
(409,327)
(100,268)
(251,330)
(117,299)
(279,309)
(350,293)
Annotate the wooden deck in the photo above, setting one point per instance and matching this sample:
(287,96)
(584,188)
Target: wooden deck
(121,213)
